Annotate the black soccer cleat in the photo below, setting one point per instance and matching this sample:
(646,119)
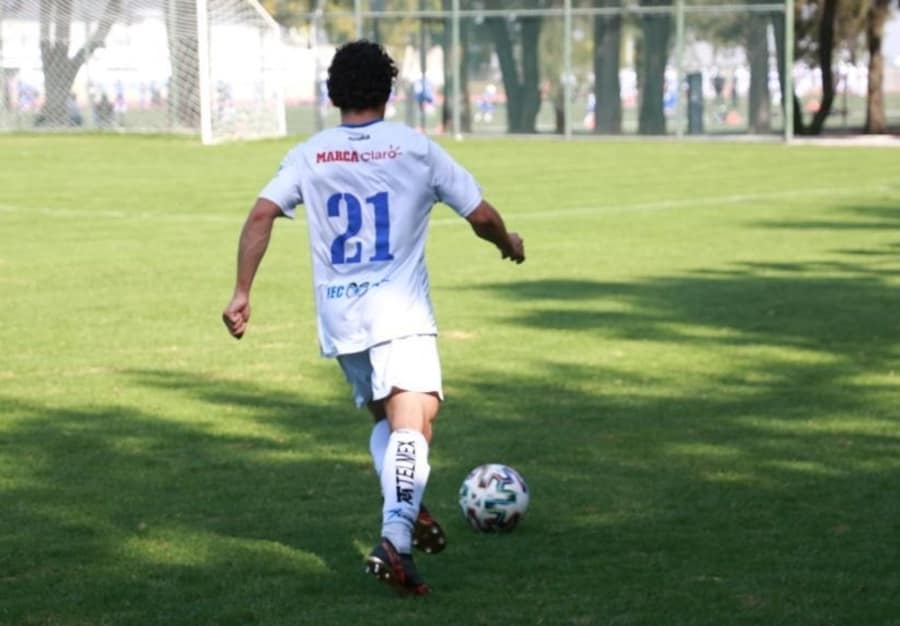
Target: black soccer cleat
(395,569)
(428,536)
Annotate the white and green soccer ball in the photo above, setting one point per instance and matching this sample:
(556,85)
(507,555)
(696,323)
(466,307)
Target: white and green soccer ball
(493,498)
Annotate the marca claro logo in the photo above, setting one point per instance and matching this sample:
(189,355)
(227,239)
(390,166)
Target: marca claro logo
(355,156)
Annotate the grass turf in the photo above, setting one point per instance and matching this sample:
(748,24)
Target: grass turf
(696,371)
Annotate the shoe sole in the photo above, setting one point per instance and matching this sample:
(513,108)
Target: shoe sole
(429,537)
(383,573)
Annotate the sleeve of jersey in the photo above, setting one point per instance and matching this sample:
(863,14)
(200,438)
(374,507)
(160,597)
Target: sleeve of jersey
(453,184)
(284,188)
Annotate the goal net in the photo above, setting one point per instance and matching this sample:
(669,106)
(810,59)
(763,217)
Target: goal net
(208,67)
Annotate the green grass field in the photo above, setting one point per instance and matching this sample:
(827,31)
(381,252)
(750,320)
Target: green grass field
(697,370)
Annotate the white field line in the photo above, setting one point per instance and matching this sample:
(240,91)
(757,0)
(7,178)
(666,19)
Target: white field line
(122,215)
(731,199)
(663,205)
(659,205)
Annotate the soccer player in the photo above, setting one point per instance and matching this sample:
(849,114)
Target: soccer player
(368,187)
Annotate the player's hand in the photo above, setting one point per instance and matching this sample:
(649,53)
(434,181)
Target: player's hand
(516,250)
(237,314)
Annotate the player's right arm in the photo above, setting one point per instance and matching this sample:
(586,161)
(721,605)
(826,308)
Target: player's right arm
(254,240)
(487,224)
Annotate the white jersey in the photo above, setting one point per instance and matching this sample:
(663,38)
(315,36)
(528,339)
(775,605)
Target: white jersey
(368,192)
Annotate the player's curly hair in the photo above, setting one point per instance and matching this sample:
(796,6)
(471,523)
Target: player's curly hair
(361,76)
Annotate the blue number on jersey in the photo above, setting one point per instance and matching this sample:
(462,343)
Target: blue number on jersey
(354,223)
(379,204)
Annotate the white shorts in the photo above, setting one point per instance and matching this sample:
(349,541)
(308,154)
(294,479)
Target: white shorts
(409,363)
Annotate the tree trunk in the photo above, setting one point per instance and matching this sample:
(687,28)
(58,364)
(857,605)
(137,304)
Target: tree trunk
(465,113)
(59,69)
(531,75)
(789,102)
(875,20)
(449,75)
(825,52)
(184,84)
(656,29)
(523,97)
(508,69)
(759,110)
(607,89)
(465,36)
(825,45)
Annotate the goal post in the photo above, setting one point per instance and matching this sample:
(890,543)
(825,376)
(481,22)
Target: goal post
(242,66)
(213,68)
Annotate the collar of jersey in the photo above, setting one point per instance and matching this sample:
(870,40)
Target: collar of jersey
(363,125)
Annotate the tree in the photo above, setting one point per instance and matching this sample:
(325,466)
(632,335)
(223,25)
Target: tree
(750,32)
(814,38)
(876,16)
(60,69)
(552,67)
(656,30)
(759,112)
(822,26)
(825,51)
(296,13)
(520,76)
(465,117)
(553,63)
(607,88)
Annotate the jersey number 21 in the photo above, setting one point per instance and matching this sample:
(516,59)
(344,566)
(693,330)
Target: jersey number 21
(349,202)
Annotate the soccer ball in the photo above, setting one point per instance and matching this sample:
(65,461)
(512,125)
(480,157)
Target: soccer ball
(493,498)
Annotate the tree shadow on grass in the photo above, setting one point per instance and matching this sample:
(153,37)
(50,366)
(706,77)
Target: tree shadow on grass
(768,495)
(119,515)
(129,517)
(866,218)
(765,495)
(760,304)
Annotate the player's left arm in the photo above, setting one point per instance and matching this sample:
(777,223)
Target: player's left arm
(252,247)
(488,224)
(456,187)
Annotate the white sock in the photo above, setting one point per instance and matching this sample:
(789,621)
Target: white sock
(403,479)
(378,442)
